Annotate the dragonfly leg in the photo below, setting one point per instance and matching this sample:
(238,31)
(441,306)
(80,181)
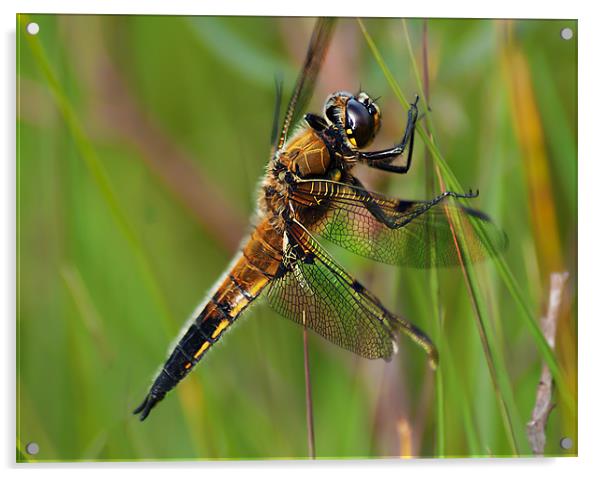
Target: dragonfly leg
(382,159)
(317,123)
(394,222)
(427,205)
(370,204)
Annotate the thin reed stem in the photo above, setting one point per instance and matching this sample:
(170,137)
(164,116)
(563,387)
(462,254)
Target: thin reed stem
(433,273)
(496,367)
(485,336)
(309,408)
(525,313)
(493,365)
(500,263)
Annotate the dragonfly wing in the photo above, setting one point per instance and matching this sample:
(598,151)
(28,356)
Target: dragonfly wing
(314,290)
(304,86)
(395,231)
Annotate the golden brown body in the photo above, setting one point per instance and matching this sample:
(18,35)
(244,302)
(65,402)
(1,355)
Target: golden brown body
(261,255)
(252,270)
(294,197)
(262,261)
(308,189)
(306,154)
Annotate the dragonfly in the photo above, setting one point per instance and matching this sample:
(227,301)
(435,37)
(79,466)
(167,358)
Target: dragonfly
(309,191)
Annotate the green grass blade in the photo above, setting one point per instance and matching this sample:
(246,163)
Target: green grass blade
(562,144)
(500,263)
(100,177)
(497,372)
(503,392)
(434,277)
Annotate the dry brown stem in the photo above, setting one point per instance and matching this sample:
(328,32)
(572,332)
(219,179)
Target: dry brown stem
(543,402)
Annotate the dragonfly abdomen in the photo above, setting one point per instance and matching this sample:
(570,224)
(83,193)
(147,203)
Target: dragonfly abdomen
(252,270)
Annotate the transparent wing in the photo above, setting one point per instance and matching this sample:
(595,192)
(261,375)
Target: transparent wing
(313,290)
(306,80)
(395,231)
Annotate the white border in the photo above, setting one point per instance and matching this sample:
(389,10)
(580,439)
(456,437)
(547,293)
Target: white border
(590,176)
(457,8)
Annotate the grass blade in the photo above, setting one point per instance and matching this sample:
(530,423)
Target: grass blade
(495,365)
(433,272)
(311,440)
(500,263)
(100,177)
(191,390)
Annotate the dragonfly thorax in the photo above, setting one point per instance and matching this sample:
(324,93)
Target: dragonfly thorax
(306,154)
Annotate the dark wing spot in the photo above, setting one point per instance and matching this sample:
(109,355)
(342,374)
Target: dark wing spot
(282,270)
(477,213)
(309,258)
(404,205)
(357,286)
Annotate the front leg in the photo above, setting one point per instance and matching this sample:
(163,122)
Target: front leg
(404,210)
(372,205)
(393,213)
(382,159)
(317,123)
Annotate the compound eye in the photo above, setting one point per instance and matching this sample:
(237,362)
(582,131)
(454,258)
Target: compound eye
(359,123)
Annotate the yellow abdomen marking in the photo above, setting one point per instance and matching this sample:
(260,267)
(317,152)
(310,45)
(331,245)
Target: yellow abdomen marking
(257,285)
(233,312)
(222,325)
(202,349)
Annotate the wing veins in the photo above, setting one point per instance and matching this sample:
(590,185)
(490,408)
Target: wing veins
(305,83)
(397,232)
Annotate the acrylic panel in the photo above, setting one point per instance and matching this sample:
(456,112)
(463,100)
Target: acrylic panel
(403,191)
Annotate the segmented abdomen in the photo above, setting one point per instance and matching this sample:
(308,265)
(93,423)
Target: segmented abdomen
(253,269)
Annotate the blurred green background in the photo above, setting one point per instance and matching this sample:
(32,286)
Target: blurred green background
(141,140)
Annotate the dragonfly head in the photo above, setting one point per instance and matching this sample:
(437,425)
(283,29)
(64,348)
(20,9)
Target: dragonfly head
(359,115)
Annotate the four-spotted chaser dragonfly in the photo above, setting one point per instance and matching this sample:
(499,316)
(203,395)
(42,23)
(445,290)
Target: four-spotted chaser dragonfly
(309,189)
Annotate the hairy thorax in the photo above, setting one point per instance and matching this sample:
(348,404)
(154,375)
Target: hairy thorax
(304,155)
